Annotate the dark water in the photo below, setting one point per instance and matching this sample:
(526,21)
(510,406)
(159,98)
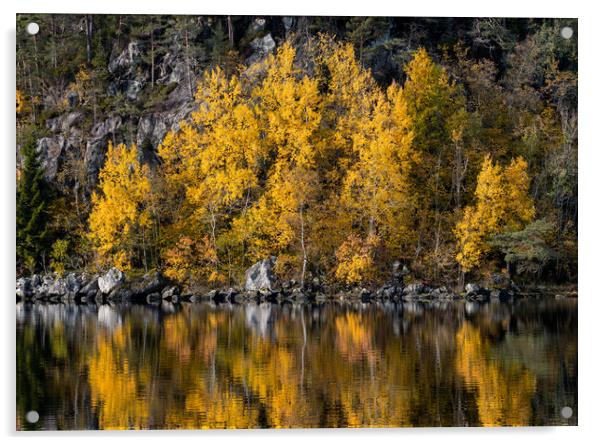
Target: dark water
(332,365)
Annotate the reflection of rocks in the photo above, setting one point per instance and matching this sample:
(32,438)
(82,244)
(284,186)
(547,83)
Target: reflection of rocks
(109,317)
(258,317)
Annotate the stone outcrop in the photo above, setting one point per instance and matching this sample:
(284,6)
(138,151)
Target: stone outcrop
(260,276)
(110,280)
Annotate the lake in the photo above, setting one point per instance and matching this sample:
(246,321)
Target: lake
(200,365)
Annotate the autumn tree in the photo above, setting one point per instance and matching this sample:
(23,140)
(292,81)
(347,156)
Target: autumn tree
(356,259)
(119,220)
(502,204)
(213,162)
(289,108)
(350,97)
(438,119)
(377,189)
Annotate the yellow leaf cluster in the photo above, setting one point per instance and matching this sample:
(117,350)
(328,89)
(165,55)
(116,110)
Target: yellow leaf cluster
(119,215)
(20,102)
(502,203)
(355,259)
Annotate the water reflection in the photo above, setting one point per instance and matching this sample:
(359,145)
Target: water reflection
(264,365)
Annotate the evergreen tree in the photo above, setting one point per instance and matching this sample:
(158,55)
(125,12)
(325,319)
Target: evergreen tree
(32,203)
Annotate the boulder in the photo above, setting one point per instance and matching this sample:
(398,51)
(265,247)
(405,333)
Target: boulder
(24,287)
(169,292)
(299,296)
(390,291)
(65,288)
(110,280)
(442,293)
(416,288)
(90,288)
(120,294)
(260,275)
(502,281)
(476,292)
(472,288)
(149,283)
(262,46)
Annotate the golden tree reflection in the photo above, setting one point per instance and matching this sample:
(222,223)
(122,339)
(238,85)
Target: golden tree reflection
(504,389)
(256,366)
(115,384)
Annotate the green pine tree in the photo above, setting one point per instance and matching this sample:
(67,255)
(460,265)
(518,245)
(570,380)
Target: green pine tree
(31,212)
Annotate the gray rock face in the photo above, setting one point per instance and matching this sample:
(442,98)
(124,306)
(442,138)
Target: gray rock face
(472,288)
(64,122)
(150,283)
(443,293)
(476,292)
(416,288)
(111,280)
(91,287)
(133,88)
(124,63)
(151,129)
(170,292)
(24,288)
(288,23)
(390,291)
(260,275)
(49,150)
(262,46)
(96,146)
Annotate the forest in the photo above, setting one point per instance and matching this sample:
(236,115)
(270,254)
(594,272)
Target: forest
(198,145)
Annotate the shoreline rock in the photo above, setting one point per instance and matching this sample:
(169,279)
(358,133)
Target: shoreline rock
(114,287)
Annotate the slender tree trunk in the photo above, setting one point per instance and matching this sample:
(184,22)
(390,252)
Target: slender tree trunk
(152,36)
(89,30)
(303,247)
(230,32)
(144,250)
(31,94)
(52,31)
(188,75)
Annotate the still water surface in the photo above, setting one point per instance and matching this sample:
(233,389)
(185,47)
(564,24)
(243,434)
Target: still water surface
(266,365)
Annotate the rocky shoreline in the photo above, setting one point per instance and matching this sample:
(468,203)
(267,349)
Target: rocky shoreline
(261,285)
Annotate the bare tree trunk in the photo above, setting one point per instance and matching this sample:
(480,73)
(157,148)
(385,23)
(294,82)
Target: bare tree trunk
(144,251)
(188,75)
(89,30)
(230,32)
(152,39)
(54,56)
(303,248)
(460,168)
